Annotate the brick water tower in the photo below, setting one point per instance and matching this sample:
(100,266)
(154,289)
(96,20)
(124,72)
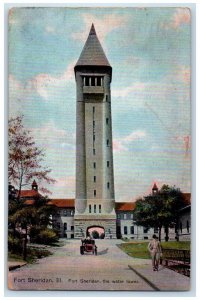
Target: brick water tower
(95,197)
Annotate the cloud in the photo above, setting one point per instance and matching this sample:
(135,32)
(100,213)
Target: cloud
(66,182)
(135,87)
(121,144)
(183,74)
(42,84)
(44,81)
(50,29)
(103,25)
(182,16)
(49,136)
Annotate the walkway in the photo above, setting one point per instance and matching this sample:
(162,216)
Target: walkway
(111,269)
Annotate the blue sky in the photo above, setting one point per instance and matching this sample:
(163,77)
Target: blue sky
(149,50)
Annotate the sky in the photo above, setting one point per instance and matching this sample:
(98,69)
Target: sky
(149,51)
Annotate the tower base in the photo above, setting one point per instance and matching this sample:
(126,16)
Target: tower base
(82,223)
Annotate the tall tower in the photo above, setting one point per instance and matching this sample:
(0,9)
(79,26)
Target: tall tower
(95,199)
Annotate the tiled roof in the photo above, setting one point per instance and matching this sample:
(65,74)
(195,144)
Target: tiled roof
(125,206)
(29,193)
(62,202)
(92,53)
(29,202)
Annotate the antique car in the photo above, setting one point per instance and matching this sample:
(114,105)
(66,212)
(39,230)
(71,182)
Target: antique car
(88,245)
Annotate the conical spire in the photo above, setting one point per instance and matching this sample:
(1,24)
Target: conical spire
(92,53)
(92,30)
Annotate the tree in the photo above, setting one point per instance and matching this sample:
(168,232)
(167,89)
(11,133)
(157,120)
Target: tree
(25,159)
(160,209)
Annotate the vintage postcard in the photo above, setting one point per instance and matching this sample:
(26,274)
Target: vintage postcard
(99,133)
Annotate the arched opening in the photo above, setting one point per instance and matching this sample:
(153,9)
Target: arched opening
(96,232)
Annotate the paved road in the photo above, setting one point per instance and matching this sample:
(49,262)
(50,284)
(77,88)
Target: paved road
(66,269)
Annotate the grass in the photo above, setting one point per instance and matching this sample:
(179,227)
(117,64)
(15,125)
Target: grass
(139,249)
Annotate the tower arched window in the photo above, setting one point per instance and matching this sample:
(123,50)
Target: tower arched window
(95,208)
(90,208)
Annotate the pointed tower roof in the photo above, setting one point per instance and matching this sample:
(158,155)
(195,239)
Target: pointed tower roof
(155,187)
(92,53)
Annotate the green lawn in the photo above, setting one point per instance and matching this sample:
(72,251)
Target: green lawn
(139,249)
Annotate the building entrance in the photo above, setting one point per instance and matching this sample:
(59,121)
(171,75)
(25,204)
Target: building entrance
(96,232)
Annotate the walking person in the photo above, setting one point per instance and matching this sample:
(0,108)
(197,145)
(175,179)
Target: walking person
(155,250)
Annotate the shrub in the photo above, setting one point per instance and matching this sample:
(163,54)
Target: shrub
(102,236)
(44,236)
(14,245)
(95,234)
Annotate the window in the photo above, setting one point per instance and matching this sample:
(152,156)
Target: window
(118,216)
(65,213)
(181,227)
(93,109)
(95,192)
(94,178)
(107,142)
(108,185)
(125,217)
(72,236)
(90,209)
(94,152)
(132,229)
(93,123)
(95,207)
(99,81)
(125,230)
(72,212)
(108,163)
(156,230)
(106,98)
(145,229)
(188,227)
(93,137)
(87,81)
(107,121)
(65,226)
(99,208)
(131,216)
(72,227)
(94,164)
(92,81)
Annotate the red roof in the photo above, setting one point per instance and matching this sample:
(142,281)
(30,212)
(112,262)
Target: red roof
(155,187)
(29,202)
(62,202)
(125,206)
(29,194)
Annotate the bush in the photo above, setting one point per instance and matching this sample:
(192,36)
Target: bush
(43,236)
(33,233)
(95,234)
(14,245)
(48,236)
(102,236)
